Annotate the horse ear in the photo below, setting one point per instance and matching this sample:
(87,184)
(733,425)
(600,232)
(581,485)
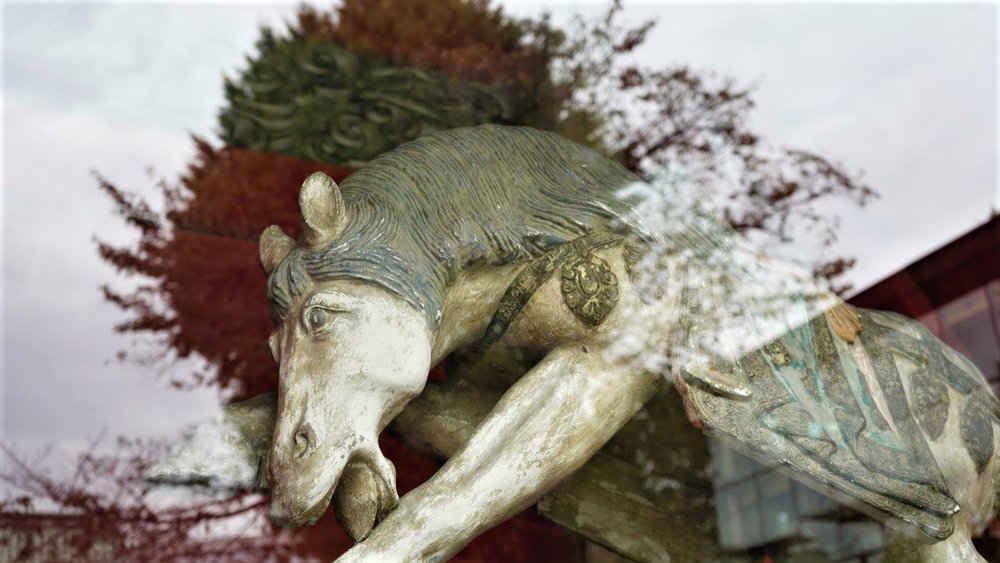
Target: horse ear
(274,246)
(322,207)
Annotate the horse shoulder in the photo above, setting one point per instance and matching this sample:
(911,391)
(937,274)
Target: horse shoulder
(554,318)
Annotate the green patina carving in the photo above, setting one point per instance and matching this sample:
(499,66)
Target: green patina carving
(589,288)
(930,402)
(821,414)
(809,404)
(977,431)
(316,100)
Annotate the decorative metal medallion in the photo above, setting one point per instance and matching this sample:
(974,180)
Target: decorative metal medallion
(589,288)
(539,270)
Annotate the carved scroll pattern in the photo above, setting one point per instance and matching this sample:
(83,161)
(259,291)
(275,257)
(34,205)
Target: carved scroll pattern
(319,101)
(977,431)
(815,408)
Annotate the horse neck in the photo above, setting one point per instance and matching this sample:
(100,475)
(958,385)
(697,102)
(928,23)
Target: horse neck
(470,301)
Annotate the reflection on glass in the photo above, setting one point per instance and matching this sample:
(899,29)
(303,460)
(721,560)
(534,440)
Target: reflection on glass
(971,324)
(206,299)
(759,508)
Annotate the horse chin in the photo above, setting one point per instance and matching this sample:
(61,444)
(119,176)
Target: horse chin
(310,516)
(362,495)
(291,507)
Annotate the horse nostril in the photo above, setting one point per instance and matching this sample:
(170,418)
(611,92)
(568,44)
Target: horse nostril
(305,440)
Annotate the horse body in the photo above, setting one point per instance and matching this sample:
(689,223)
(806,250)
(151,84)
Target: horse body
(515,238)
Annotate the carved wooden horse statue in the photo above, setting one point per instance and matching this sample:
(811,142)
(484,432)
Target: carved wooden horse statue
(486,237)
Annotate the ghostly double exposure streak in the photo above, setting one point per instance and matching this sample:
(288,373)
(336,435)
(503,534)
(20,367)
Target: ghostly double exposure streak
(202,292)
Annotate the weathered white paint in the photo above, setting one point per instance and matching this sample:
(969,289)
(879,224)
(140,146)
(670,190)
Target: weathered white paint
(345,388)
(216,453)
(349,369)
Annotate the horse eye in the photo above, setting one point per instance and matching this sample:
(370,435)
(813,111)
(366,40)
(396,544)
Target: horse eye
(316,318)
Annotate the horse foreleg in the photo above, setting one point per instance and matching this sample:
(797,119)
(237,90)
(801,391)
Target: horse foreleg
(542,430)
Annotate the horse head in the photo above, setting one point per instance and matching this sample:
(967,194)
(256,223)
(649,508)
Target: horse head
(351,355)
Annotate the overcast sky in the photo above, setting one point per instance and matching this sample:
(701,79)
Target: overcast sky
(906,93)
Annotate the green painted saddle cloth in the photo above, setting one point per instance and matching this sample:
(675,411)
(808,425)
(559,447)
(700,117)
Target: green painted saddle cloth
(848,401)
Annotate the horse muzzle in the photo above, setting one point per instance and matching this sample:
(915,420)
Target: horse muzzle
(360,479)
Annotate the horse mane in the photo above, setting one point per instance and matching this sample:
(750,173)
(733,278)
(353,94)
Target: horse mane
(486,195)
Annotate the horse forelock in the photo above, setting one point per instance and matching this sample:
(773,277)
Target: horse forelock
(475,196)
(364,252)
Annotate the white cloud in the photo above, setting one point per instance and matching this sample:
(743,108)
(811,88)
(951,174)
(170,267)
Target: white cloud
(57,327)
(907,93)
(157,65)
